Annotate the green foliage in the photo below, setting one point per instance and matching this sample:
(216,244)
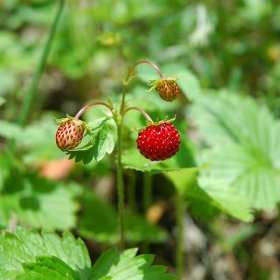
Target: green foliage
(232,165)
(103,139)
(127,266)
(104,227)
(208,197)
(38,202)
(2,100)
(138,229)
(30,255)
(245,141)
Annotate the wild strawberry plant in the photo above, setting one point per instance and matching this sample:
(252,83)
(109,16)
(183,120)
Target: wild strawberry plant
(29,256)
(242,164)
(158,141)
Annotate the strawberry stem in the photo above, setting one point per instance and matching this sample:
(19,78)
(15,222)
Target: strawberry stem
(128,78)
(90,105)
(119,121)
(120,185)
(138,109)
(140,62)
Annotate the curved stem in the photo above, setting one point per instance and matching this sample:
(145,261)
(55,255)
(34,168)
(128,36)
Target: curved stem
(90,105)
(40,68)
(128,78)
(119,121)
(138,109)
(139,62)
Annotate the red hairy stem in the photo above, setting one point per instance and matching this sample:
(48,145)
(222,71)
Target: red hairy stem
(128,77)
(138,109)
(90,105)
(143,61)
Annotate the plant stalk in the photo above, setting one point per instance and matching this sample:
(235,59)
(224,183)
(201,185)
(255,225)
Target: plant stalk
(120,185)
(90,105)
(147,191)
(119,120)
(148,118)
(40,68)
(180,210)
(131,190)
(147,201)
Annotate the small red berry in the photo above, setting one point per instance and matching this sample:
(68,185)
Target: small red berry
(158,141)
(69,134)
(168,90)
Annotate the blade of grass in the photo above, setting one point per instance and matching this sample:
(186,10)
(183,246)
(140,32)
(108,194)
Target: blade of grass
(40,68)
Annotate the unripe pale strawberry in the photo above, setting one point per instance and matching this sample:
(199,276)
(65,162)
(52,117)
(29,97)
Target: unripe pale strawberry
(158,141)
(69,134)
(167,88)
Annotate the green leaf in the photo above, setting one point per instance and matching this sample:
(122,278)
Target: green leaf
(46,268)
(30,255)
(40,202)
(42,134)
(128,266)
(248,172)
(102,227)
(183,179)
(104,137)
(46,256)
(227,198)
(2,100)
(207,197)
(5,170)
(42,146)
(246,144)
(10,130)
(188,83)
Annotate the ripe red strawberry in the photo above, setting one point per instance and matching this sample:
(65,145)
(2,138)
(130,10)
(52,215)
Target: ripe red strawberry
(158,141)
(69,134)
(167,88)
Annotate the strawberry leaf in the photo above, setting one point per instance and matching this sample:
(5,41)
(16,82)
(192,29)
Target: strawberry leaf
(103,138)
(10,130)
(47,256)
(38,202)
(246,148)
(207,197)
(46,268)
(2,100)
(128,266)
(30,255)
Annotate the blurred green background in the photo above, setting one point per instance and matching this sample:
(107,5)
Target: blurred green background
(230,51)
